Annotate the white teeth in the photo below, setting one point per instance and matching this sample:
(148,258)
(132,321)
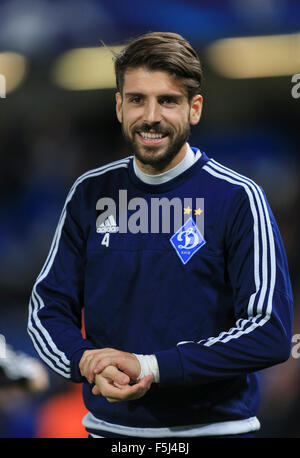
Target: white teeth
(149,136)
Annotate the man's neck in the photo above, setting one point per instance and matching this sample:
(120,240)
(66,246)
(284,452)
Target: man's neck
(189,159)
(150,170)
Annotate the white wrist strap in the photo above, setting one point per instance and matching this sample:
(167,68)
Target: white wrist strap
(149,366)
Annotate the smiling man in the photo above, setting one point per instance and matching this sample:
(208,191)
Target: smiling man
(156,115)
(177,323)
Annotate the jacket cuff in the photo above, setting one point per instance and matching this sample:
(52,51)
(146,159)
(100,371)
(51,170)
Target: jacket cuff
(75,360)
(170,367)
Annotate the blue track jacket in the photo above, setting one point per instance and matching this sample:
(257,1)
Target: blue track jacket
(213,314)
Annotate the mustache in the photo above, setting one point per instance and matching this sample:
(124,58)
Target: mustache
(154,127)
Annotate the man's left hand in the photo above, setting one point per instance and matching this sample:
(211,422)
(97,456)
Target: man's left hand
(105,384)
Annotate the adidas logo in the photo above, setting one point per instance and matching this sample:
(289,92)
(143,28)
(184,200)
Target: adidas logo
(108,225)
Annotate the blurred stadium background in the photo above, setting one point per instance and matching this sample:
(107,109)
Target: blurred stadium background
(58,120)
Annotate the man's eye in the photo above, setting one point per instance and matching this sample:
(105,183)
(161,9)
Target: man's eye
(136,99)
(168,101)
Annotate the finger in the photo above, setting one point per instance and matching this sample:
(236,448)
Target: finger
(85,367)
(91,364)
(82,362)
(95,390)
(117,377)
(145,382)
(82,365)
(100,383)
(89,374)
(130,366)
(102,363)
(131,392)
(118,393)
(120,378)
(113,394)
(141,387)
(90,358)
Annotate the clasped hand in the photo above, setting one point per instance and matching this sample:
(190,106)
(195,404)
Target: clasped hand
(113,371)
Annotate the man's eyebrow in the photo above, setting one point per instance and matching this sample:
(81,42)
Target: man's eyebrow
(173,95)
(135,94)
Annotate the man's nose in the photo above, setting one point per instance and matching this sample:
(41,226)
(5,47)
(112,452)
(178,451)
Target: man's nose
(152,112)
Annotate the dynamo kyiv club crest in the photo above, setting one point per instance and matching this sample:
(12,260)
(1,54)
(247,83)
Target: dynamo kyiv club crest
(187,240)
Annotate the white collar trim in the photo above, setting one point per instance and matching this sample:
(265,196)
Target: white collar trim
(189,159)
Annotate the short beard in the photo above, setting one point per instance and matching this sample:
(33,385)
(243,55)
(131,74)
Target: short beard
(161,161)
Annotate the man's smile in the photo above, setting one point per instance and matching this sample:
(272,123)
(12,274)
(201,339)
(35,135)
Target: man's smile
(148,138)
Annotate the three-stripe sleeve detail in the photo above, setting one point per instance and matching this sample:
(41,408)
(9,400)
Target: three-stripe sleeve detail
(42,340)
(259,307)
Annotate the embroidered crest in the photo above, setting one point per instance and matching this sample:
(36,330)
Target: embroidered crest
(187,240)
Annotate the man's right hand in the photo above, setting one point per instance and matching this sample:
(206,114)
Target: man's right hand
(95,361)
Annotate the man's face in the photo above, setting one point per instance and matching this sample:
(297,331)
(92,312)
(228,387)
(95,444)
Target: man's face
(155,116)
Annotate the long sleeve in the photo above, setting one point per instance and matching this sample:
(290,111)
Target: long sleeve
(55,309)
(257,271)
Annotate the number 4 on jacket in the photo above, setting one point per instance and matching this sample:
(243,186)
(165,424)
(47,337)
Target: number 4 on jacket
(105,240)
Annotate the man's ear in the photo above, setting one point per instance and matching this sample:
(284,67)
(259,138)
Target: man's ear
(119,106)
(196,109)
